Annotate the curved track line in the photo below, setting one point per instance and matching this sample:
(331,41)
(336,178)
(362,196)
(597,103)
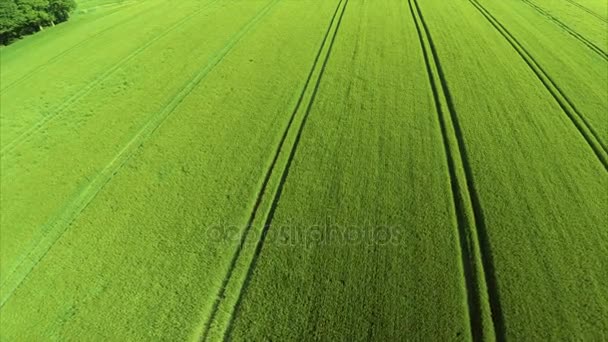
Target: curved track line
(470,275)
(84,198)
(277,195)
(87,88)
(476,252)
(588,11)
(570,31)
(577,119)
(30,73)
(222,292)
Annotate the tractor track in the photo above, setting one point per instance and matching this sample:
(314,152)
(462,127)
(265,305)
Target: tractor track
(567,29)
(282,180)
(485,315)
(588,10)
(266,181)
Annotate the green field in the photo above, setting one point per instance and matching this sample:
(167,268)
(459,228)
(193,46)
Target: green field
(295,170)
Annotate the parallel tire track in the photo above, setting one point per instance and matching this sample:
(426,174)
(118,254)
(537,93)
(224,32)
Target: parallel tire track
(485,312)
(32,72)
(470,276)
(588,10)
(267,177)
(578,120)
(282,180)
(570,31)
(57,111)
(84,198)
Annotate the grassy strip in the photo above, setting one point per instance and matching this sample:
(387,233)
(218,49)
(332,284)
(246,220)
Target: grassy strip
(347,252)
(159,277)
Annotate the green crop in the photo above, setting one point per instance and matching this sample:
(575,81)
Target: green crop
(307,170)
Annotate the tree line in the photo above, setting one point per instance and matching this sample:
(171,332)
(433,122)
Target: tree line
(22,17)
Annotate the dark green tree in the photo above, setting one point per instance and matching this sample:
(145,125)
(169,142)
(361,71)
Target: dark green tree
(11,19)
(21,17)
(35,13)
(60,10)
